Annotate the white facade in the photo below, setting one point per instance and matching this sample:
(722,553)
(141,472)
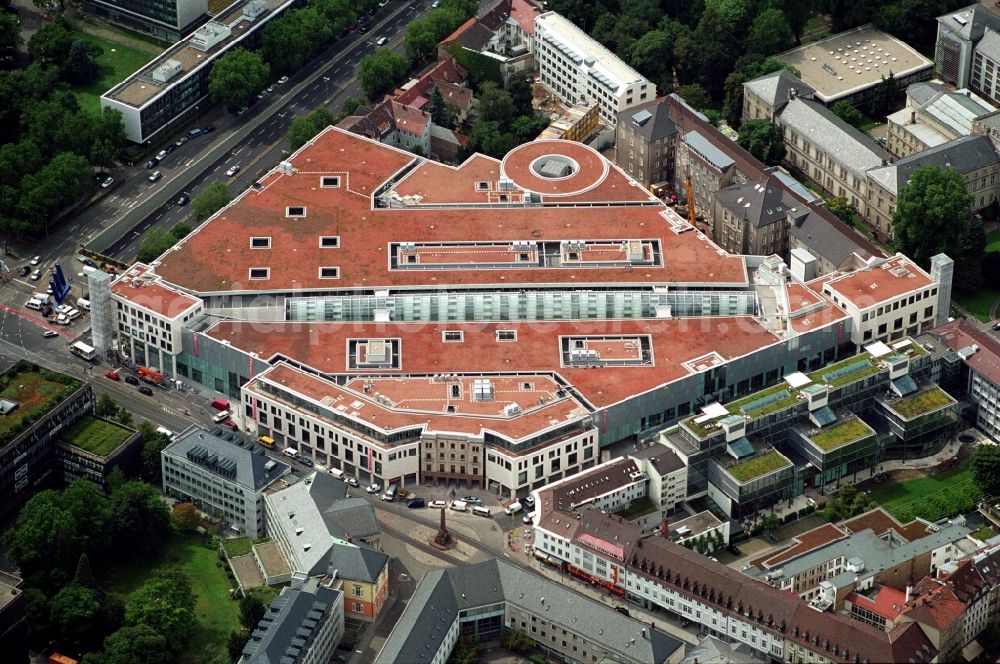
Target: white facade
(986,394)
(532,468)
(578,69)
(667,490)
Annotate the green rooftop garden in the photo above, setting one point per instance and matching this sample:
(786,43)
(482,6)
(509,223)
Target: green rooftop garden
(639,507)
(817,375)
(757,466)
(36,391)
(840,434)
(922,402)
(96,436)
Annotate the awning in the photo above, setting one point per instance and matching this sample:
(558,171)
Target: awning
(822,416)
(904,385)
(740,448)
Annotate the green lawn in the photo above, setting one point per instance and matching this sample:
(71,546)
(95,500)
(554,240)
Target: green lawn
(757,466)
(892,495)
(978,304)
(217,614)
(115,64)
(96,436)
(840,434)
(983,533)
(922,402)
(639,507)
(240,546)
(993,242)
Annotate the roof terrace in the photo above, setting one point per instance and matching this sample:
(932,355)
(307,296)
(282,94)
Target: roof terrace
(921,403)
(841,434)
(31,392)
(758,466)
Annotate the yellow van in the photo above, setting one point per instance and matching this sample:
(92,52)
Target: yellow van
(266,441)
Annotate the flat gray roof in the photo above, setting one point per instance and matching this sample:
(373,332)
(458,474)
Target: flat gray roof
(854,60)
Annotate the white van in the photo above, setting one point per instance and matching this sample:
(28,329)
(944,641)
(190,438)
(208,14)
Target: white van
(513,508)
(221,416)
(41,297)
(33,304)
(339,474)
(481,511)
(83,303)
(529,518)
(288,451)
(73,314)
(166,432)
(459,505)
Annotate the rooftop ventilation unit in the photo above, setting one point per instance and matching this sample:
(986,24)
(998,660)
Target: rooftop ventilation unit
(254,8)
(209,35)
(166,71)
(482,389)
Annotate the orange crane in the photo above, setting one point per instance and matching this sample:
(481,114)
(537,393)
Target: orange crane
(149,375)
(692,215)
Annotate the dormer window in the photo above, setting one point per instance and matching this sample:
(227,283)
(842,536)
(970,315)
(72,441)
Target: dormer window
(260,273)
(329,241)
(329,273)
(260,243)
(295,211)
(329,181)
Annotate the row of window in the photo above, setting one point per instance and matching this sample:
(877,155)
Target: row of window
(263,273)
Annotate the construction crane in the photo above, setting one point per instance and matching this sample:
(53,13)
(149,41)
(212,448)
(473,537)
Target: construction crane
(689,189)
(150,376)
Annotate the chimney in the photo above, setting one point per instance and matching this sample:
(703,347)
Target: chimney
(792,93)
(913,117)
(908,589)
(664,527)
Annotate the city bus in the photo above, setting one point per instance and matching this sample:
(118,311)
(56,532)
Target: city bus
(81,349)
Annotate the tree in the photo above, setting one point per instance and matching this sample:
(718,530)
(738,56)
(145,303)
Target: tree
(238,640)
(154,242)
(769,33)
(210,200)
(286,42)
(652,54)
(185,517)
(84,576)
(88,508)
(884,95)
(986,469)
(138,519)
(495,104)
(166,604)
(75,611)
(44,541)
(179,231)
(349,106)
(52,42)
(379,72)
(490,139)
(848,113)
(934,215)
(10,33)
(770,523)
(518,641)
(420,40)
(135,643)
(797,13)
(302,130)
(521,95)
(153,443)
(236,77)
(442,113)
(466,651)
(695,96)
(80,67)
(707,54)
(842,208)
(106,406)
(763,140)
(252,609)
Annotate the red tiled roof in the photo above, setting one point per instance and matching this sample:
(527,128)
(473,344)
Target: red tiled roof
(149,293)
(888,602)
(959,334)
(880,522)
(872,285)
(524,13)
(933,603)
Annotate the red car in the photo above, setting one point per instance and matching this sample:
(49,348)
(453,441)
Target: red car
(229,423)
(113,375)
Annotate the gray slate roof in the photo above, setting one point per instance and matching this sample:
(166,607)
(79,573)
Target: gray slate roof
(711,650)
(989,45)
(358,562)
(664,459)
(657,120)
(923,91)
(760,202)
(253,471)
(442,593)
(287,629)
(826,241)
(848,146)
(773,88)
(976,19)
(964,154)
(708,151)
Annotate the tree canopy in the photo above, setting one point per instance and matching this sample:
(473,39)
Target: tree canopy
(210,200)
(236,77)
(934,215)
(763,140)
(379,72)
(166,604)
(986,469)
(303,129)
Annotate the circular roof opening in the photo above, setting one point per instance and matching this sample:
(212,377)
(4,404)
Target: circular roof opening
(554,167)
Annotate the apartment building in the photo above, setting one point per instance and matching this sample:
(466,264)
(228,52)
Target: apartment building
(363,574)
(932,116)
(958,33)
(666,475)
(766,96)
(171,89)
(168,20)
(850,65)
(491,599)
(578,69)
(753,217)
(974,157)
(302,625)
(645,139)
(222,478)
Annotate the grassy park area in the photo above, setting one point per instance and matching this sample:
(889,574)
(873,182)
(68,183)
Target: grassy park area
(116,63)
(217,614)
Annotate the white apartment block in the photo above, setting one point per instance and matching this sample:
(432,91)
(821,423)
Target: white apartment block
(518,473)
(577,69)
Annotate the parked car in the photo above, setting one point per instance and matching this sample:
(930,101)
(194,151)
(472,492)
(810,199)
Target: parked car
(622,610)
(113,375)
(437,504)
(48,334)
(735,550)
(208,130)
(24,271)
(414,503)
(304,460)
(685,623)
(529,501)
(89,262)
(107,183)
(233,170)
(181,141)
(472,500)
(161,155)
(353,482)
(155,175)
(363,29)
(145,390)
(381,40)
(996,326)
(374,487)
(152,163)
(36,260)
(170,148)
(46,311)
(282,80)
(36,275)
(194,132)
(271,87)
(131,380)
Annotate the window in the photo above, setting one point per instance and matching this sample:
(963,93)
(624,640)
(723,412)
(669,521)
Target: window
(359,607)
(357,591)
(260,243)
(257,273)
(329,181)
(329,273)
(452,336)
(506,335)
(329,241)
(295,211)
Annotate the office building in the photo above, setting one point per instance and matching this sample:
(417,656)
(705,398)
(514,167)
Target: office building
(579,70)
(958,34)
(222,478)
(92,447)
(302,625)
(489,600)
(850,65)
(174,86)
(168,20)
(13,620)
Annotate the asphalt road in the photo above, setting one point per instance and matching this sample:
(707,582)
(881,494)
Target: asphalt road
(335,81)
